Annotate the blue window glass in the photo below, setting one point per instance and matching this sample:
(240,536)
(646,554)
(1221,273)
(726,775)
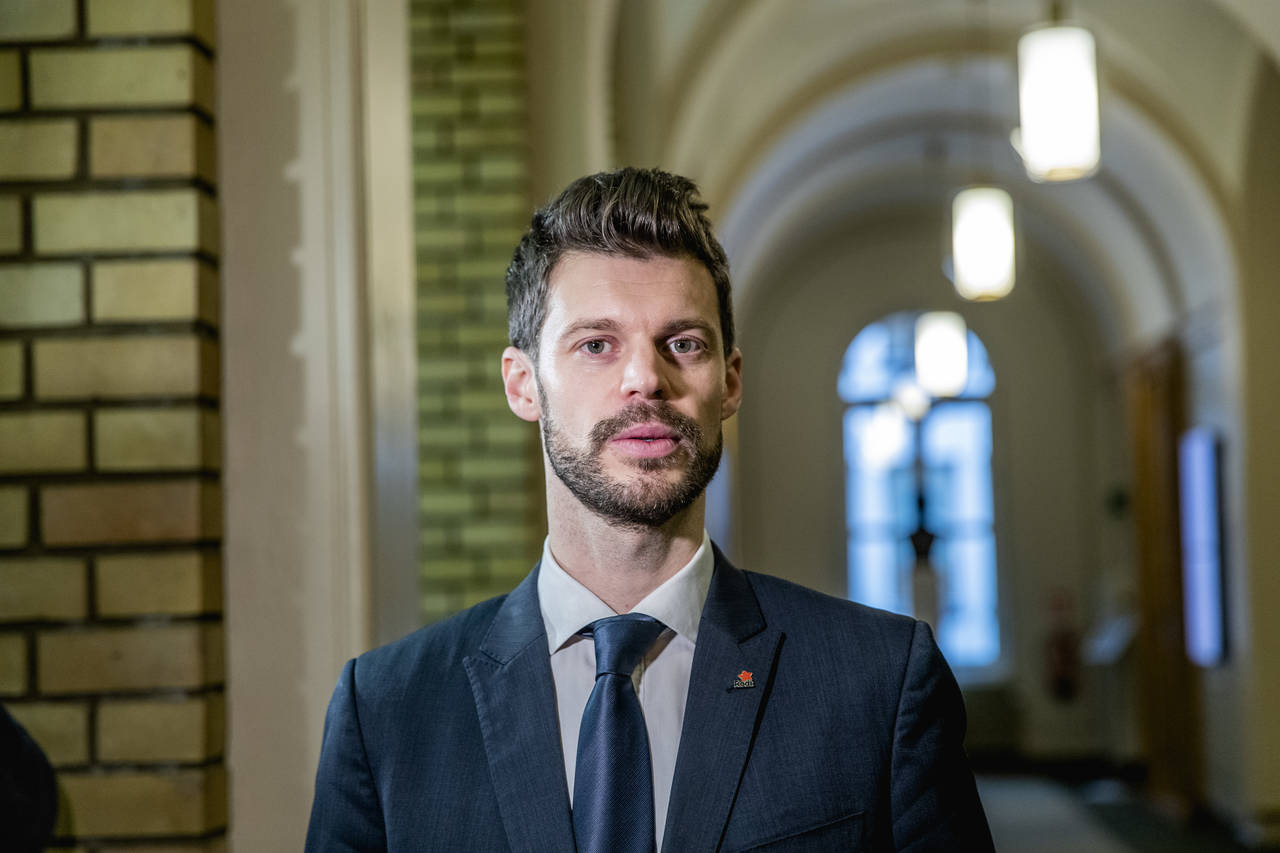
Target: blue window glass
(866,374)
(947,453)
(957,451)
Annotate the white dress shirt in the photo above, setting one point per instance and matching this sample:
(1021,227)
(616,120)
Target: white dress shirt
(661,679)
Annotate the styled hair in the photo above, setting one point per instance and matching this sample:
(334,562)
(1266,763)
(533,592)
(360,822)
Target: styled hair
(637,213)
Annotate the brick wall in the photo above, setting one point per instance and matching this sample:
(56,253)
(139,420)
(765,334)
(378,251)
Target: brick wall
(479,469)
(110,584)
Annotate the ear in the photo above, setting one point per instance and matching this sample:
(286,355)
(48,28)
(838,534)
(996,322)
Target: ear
(521,384)
(732,385)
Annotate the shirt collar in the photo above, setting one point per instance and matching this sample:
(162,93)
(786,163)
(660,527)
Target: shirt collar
(568,606)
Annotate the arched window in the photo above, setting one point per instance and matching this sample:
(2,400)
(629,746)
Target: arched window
(908,479)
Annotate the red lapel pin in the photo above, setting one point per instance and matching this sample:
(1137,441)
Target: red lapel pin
(744,679)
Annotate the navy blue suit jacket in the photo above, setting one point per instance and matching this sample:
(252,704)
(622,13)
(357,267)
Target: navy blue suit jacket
(850,739)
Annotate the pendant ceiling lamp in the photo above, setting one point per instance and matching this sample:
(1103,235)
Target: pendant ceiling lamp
(941,353)
(982,266)
(1058,102)
(982,243)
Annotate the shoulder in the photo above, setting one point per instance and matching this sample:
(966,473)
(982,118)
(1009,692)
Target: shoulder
(799,610)
(427,655)
(809,617)
(784,599)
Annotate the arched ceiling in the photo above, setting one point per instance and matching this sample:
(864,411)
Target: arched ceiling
(738,73)
(794,113)
(1142,239)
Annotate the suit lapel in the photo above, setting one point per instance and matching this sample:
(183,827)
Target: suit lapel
(515,699)
(720,719)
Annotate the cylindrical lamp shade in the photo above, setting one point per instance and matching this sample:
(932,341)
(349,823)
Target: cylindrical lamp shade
(942,353)
(982,243)
(1058,103)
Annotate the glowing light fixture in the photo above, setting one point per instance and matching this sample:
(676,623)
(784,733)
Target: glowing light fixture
(942,353)
(1058,103)
(884,437)
(911,398)
(982,244)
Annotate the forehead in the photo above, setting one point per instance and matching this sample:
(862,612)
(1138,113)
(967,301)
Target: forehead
(583,285)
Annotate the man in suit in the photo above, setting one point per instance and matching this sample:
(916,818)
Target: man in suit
(724,710)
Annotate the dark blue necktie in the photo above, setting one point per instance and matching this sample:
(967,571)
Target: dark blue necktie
(613,782)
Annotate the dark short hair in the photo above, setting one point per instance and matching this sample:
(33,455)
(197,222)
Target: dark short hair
(637,213)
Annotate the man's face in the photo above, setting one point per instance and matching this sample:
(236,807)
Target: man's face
(632,384)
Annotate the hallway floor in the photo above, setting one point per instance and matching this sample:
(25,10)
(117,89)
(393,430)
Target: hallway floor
(1030,814)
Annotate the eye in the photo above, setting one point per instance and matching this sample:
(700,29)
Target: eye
(685,346)
(595,346)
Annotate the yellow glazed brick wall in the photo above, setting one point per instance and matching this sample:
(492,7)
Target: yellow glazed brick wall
(479,469)
(159,511)
(134,658)
(13,516)
(13,664)
(61,729)
(30,20)
(10,225)
(42,588)
(37,149)
(216,845)
(157,221)
(111,646)
(153,439)
(41,441)
(120,366)
(156,803)
(164,76)
(177,583)
(152,146)
(152,17)
(10,80)
(154,291)
(12,364)
(41,294)
(159,729)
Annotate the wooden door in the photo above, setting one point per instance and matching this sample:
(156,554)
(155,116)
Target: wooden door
(1167,680)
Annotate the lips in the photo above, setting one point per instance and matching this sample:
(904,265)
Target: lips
(647,432)
(646,440)
(651,433)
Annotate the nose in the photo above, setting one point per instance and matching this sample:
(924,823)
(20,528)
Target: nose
(644,375)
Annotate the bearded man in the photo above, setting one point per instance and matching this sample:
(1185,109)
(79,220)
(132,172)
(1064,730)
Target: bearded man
(637,692)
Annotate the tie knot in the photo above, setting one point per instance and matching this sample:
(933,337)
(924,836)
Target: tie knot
(621,642)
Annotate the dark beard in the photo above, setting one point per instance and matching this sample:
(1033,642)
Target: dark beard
(641,505)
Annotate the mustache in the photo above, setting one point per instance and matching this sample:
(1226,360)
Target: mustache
(661,411)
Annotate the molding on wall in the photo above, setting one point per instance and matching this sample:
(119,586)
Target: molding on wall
(389,249)
(300,437)
(570,46)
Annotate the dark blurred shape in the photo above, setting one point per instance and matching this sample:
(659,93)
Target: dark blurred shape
(28,793)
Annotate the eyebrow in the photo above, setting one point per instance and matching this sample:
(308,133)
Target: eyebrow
(687,324)
(597,324)
(607,324)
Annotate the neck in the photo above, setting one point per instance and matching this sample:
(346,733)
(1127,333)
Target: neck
(619,564)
